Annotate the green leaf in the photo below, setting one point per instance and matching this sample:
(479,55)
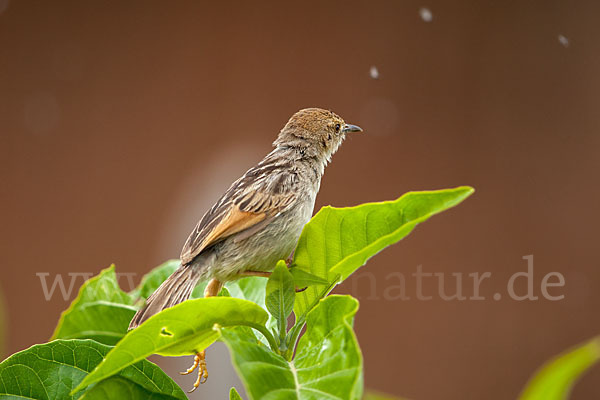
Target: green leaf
(280,297)
(304,279)
(555,380)
(101,311)
(50,371)
(117,387)
(337,241)
(250,288)
(261,369)
(328,364)
(328,353)
(180,330)
(234,395)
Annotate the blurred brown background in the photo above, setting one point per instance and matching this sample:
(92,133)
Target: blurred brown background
(121,122)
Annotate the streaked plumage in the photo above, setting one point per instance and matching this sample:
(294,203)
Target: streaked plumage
(260,217)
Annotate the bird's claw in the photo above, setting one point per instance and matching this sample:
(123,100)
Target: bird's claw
(200,363)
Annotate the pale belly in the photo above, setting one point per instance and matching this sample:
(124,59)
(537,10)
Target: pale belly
(261,251)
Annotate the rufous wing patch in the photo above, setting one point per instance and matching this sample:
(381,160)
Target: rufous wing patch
(235,221)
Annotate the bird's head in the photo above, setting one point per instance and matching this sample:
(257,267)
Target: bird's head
(319,131)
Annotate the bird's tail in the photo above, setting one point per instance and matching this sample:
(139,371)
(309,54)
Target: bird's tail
(177,288)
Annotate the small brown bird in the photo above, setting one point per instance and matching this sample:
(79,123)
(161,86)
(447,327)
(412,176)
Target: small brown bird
(258,220)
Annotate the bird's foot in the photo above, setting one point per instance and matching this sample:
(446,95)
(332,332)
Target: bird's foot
(200,363)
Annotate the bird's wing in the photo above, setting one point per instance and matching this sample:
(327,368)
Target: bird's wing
(248,205)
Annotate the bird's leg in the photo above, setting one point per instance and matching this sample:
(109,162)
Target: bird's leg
(200,363)
(255,273)
(212,289)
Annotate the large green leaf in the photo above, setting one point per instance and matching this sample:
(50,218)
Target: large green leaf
(328,358)
(101,311)
(328,364)
(279,299)
(50,371)
(555,380)
(337,241)
(180,330)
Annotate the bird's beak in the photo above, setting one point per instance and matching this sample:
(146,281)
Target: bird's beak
(351,128)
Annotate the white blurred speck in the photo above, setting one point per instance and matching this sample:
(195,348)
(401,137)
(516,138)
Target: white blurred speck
(374,72)
(425,14)
(41,113)
(562,39)
(3,5)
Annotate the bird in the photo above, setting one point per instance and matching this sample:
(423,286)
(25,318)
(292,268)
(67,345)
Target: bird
(258,220)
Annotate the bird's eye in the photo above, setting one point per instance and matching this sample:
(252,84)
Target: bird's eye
(337,128)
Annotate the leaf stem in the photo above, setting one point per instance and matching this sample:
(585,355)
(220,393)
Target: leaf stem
(294,333)
(292,339)
(282,333)
(263,329)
